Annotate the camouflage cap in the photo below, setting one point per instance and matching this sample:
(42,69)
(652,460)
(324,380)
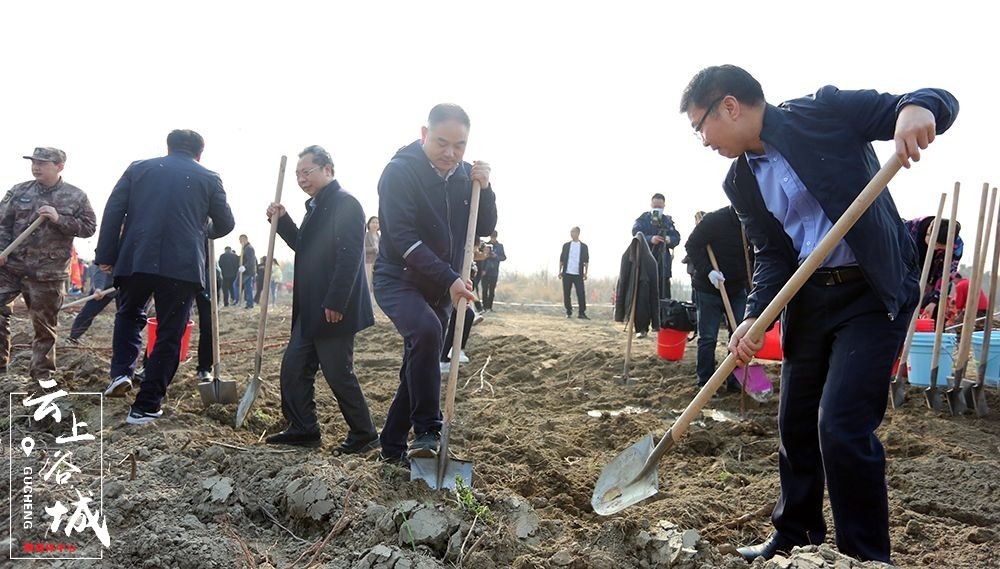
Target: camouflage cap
(48,154)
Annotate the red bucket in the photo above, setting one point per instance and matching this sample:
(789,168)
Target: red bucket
(772,344)
(151,338)
(670,344)
(924,325)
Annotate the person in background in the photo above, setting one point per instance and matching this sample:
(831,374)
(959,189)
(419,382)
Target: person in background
(797,167)
(99,282)
(424,203)
(39,267)
(490,269)
(229,262)
(152,240)
(920,229)
(372,237)
(573,263)
(721,230)
(247,271)
(962,299)
(661,236)
(276,278)
(330,305)
(259,283)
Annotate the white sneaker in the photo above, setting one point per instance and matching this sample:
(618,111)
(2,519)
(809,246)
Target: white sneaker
(204,376)
(137,417)
(477,318)
(445,368)
(462,358)
(119,387)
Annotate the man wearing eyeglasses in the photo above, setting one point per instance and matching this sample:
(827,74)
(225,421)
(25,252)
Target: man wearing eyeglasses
(424,196)
(797,167)
(330,305)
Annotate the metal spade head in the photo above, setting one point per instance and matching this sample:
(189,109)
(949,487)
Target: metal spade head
(217,391)
(620,485)
(977,394)
(247,402)
(934,399)
(956,401)
(897,393)
(427,469)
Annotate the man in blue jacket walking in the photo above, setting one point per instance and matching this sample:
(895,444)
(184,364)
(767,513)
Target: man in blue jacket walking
(797,167)
(153,241)
(424,196)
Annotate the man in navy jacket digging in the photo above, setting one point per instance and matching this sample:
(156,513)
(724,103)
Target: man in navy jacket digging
(424,207)
(797,168)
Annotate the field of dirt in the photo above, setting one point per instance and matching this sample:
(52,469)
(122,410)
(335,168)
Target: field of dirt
(539,413)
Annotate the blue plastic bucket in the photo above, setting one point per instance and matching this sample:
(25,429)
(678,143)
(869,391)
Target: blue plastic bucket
(918,363)
(992,361)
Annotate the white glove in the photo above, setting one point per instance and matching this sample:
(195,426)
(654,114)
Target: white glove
(243,269)
(716,278)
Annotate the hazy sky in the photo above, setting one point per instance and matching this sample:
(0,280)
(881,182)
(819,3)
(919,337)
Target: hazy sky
(574,104)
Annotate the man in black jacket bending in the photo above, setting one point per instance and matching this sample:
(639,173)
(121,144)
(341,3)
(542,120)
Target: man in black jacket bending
(330,304)
(721,230)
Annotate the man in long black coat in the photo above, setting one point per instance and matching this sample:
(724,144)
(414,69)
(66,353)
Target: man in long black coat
(330,304)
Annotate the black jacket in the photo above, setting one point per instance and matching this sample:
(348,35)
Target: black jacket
(721,229)
(647,306)
(329,264)
(230,265)
(424,220)
(158,217)
(584,256)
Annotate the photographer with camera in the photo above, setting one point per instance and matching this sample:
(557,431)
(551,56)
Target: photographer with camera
(662,237)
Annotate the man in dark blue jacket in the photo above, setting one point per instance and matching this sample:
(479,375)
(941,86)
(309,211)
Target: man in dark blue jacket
(424,196)
(489,269)
(330,304)
(98,283)
(153,241)
(797,167)
(662,237)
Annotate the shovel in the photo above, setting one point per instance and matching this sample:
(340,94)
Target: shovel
(633,475)
(732,324)
(251,395)
(217,390)
(87,298)
(441,471)
(897,390)
(956,398)
(976,396)
(931,394)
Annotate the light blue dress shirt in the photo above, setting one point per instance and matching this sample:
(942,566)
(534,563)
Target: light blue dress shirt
(800,214)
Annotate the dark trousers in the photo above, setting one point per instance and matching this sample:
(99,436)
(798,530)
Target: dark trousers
(581,293)
(489,291)
(229,290)
(476,288)
(449,336)
(712,314)
(86,316)
(335,356)
(839,347)
(173,299)
(417,402)
(203,301)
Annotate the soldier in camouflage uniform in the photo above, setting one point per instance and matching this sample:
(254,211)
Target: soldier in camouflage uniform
(38,267)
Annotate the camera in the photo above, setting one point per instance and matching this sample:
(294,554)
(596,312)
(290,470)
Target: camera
(657,217)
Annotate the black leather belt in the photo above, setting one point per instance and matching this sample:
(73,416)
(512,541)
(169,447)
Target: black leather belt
(831,276)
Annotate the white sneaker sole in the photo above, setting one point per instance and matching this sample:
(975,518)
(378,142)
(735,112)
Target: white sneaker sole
(119,388)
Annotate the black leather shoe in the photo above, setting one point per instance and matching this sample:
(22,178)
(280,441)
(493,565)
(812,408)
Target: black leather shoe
(310,440)
(359,446)
(583,317)
(399,460)
(774,545)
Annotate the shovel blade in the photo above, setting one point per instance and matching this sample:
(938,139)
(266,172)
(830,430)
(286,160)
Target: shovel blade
(934,399)
(956,401)
(218,391)
(619,485)
(897,393)
(426,469)
(978,395)
(247,402)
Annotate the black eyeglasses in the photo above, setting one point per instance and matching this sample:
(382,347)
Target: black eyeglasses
(708,111)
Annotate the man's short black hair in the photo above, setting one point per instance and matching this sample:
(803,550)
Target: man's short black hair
(320,156)
(718,81)
(186,141)
(447,112)
(657,196)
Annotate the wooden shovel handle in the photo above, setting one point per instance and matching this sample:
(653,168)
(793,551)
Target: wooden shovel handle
(266,285)
(83,300)
(213,283)
(784,296)
(722,290)
(24,235)
(945,280)
(456,345)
